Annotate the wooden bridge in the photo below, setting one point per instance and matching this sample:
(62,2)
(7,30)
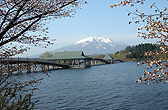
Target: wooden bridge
(46,64)
(99,61)
(118,60)
(34,61)
(30,65)
(103,61)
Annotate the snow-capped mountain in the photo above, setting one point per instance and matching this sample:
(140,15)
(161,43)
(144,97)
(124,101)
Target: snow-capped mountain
(94,45)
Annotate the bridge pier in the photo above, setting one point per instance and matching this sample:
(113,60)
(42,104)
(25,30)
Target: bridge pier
(9,69)
(19,69)
(43,68)
(34,67)
(29,68)
(48,67)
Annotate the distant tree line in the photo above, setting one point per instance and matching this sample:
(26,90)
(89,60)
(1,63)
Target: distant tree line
(139,50)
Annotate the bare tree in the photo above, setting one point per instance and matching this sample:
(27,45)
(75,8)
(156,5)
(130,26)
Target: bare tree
(152,26)
(23,22)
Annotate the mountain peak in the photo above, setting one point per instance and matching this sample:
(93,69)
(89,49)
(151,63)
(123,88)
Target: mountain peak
(92,38)
(94,45)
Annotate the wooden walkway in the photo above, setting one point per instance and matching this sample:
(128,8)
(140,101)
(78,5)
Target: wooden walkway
(118,60)
(48,64)
(102,60)
(33,60)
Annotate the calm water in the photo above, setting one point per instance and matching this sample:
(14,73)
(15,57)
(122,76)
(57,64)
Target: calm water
(106,87)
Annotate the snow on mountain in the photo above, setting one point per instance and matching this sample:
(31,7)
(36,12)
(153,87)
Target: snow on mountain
(95,40)
(94,45)
(91,39)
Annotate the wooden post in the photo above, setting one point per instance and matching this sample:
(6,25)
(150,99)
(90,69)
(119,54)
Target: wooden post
(92,62)
(84,62)
(79,63)
(48,67)
(35,67)
(19,68)
(43,67)
(29,68)
(72,63)
(10,69)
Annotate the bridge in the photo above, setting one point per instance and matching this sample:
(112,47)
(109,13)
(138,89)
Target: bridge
(47,64)
(118,60)
(10,65)
(99,61)
(34,61)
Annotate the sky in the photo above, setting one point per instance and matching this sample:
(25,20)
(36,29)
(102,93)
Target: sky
(96,18)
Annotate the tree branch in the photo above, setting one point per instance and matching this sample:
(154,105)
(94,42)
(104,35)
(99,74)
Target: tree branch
(15,37)
(10,25)
(8,13)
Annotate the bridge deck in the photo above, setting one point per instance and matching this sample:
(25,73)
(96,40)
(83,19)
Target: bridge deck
(47,62)
(33,60)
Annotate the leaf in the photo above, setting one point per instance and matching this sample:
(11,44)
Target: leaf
(111,6)
(131,5)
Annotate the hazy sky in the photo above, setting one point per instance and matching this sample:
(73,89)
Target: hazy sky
(96,19)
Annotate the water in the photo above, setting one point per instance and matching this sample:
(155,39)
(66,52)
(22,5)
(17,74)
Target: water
(106,87)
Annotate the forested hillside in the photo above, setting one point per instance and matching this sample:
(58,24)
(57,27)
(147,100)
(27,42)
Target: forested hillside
(137,52)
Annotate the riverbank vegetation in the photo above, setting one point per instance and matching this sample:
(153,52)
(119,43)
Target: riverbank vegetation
(137,53)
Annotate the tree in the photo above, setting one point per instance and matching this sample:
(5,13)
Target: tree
(23,22)
(152,26)
(46,54)
(21,19)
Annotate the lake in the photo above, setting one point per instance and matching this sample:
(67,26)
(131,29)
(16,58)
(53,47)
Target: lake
(105,87)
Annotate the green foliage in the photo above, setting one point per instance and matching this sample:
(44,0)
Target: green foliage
(46,54)
(16,94)
(96,56)
(12,96)
(118,55)
(137,52)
